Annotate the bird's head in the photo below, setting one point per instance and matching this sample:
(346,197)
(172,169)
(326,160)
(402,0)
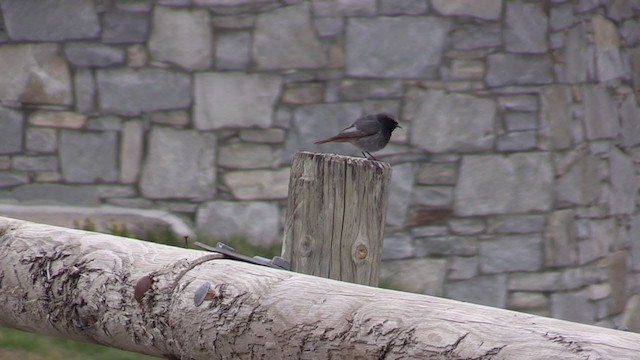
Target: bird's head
(388,122)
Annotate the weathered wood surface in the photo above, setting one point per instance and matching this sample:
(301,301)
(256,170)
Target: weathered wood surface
(80,285)
(336,213)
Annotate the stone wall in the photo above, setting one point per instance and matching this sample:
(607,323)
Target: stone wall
(515,178)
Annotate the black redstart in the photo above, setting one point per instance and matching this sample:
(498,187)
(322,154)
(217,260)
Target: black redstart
(369,133)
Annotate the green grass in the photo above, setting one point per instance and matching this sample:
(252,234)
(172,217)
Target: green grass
(20,345)
(16,344)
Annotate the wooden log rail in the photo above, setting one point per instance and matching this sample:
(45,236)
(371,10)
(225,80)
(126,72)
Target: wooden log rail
(82,285)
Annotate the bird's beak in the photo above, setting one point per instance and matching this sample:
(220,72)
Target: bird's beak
(398,126)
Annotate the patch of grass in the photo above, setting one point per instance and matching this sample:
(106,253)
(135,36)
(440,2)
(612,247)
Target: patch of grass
(16,344)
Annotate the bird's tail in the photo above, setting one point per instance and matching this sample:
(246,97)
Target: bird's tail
(330,139)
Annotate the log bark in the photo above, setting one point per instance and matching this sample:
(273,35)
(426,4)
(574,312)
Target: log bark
(336,213)
(81,285)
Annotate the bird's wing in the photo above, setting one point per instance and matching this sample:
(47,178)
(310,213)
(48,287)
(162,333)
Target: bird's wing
(362,127)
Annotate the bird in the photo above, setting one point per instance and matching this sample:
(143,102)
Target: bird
(369,133)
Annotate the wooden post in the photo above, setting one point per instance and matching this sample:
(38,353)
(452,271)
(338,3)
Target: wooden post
(189,304)
(336,213)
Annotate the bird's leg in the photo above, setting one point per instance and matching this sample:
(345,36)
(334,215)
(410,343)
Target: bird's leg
(364,155)
(371,156)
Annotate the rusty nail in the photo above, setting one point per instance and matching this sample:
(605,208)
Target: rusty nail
(142,286)
(204,292)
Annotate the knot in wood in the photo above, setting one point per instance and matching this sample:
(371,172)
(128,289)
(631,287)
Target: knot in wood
(361,252)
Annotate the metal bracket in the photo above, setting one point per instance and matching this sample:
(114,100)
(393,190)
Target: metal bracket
(276,263)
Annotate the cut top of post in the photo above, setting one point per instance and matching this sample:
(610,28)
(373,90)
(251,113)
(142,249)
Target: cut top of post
(335,216)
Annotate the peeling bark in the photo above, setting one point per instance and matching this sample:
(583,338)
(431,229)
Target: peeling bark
(81,285)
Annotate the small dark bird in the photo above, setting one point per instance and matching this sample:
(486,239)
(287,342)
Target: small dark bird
(369,133)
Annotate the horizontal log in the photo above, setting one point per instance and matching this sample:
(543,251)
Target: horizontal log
(84,286)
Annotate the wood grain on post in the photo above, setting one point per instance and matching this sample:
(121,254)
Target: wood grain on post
(141,297)
(335,216)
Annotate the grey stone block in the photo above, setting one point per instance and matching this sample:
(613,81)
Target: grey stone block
(397,246)
(235,100)
(85,90)
(634,234)
(421,276)
(258,221)
(518,121)
(88,157)
(560,241)
(630,126)
(440,121)
(375,52)
(579,56)
(624,183)
(11,134)
(630,32)
(40,140)
(116,191)
(527,301)
(540,281)
(463,226)
(77,195)
(93,54)
(490,290)
(426,231)
(463,268)
(435,196)
(403,7)
(131,92)
(122,27)
(284,39)
(599,106)
(510,253)
(177,118)
(314,122)
(344,8)
(258,184)
(446,246)
(603,236)
(555,118)
(526,103)
(35,163)
(50,20)
(34,73)
(561,17)
(104,123)
(526,27)
(517,141)
(517,69)
(248,156)
(483,9)
(437,174)
(171,170)
(574,306)
(581,184)
(352,90)
(190,47)
(492,184)
(233,51)
(516,224)
(131,151)
(265,136)
(9,179)
(329,26)
(607,40)
(472,36)
(400,193)
(617,270)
